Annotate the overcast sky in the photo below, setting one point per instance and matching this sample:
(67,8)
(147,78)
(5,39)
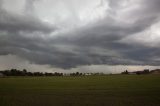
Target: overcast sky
(80,35)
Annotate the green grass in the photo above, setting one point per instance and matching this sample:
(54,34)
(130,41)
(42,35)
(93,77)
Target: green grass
(111,90)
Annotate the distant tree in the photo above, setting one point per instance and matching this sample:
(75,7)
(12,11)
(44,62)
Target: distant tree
(24,70)
(146,71)
(77,74)
(125,72)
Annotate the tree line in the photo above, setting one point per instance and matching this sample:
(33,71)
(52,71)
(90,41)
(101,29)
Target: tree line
(24,72)
(15,72)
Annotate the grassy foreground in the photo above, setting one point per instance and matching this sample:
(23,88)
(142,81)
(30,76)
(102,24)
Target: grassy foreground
(111,90)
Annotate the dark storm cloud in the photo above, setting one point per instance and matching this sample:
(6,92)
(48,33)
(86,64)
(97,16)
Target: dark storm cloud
(96,43)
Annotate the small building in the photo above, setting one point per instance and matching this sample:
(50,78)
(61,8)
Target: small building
(157,71)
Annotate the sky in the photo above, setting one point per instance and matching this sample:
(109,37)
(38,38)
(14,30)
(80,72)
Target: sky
(80,35)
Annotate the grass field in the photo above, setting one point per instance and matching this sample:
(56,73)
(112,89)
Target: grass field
(111,90)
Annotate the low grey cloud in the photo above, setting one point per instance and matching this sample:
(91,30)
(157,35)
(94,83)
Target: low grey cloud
(111,38)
